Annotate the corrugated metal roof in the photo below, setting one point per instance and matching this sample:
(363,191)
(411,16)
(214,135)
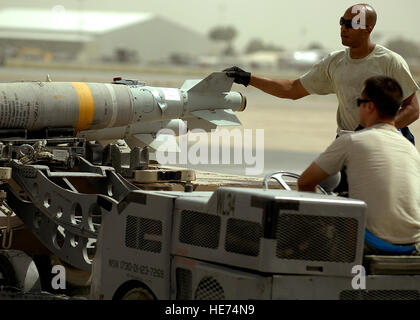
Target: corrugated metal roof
(60,19)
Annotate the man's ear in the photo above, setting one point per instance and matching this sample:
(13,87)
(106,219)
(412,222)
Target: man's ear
(371,107)
(369,29)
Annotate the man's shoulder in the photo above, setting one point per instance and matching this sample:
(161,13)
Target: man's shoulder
(344,139)
(337,54)
(383,49)
(388,53)
(332,59)
(376,129)
(381,132)
(365,136)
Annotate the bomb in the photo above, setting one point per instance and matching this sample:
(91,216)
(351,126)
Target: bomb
(121,109)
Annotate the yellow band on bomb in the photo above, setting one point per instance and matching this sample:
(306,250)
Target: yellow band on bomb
(86,105)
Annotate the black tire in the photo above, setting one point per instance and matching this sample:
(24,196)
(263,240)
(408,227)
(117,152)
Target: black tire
(44,266)
(134,290)
(7,272)
(137,294)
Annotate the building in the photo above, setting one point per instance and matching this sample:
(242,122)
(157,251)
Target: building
(61,34)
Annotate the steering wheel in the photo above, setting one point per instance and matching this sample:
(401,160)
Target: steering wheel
(278,176)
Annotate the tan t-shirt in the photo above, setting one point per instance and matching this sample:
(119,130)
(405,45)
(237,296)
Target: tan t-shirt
(383,169)
(340,74)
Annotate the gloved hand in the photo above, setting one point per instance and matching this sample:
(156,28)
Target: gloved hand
(239,76)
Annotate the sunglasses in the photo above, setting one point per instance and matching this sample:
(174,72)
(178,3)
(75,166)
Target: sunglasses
(360,101)
(348,23)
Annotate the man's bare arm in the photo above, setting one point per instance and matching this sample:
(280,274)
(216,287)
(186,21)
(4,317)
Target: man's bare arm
(311,177)
(408,113)
(289,89)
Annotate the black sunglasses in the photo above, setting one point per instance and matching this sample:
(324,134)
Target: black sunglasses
(348,23)
(360,101)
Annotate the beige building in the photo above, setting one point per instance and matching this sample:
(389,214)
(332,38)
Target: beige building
(61,34)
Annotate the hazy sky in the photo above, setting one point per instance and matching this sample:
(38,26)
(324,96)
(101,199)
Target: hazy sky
(292,24)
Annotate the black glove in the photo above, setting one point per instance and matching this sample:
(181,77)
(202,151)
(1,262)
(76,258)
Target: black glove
(239,76)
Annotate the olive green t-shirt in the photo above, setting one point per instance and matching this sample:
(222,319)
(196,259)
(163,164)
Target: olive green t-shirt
(340,74)
(383,169)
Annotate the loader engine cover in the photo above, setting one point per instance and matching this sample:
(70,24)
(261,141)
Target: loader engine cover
(273,231)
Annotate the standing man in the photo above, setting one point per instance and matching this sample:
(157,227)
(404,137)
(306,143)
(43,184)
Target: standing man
(343,73)
(383,168)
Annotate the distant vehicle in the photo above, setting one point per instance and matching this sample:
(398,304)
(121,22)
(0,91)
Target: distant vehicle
(302,60)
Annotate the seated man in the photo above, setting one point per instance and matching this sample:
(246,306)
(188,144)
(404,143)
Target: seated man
(383,167)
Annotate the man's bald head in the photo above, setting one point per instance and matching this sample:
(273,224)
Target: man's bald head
(370,13)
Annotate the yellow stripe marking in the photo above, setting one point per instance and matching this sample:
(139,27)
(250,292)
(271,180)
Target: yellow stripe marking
(86,105)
